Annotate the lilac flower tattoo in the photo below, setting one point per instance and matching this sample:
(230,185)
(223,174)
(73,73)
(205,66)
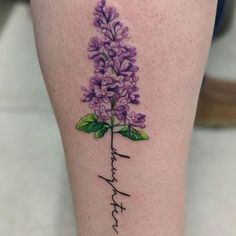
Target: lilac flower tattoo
(112,90)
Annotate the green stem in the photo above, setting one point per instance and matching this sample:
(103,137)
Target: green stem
(112,132)
(118,125)
(112,126)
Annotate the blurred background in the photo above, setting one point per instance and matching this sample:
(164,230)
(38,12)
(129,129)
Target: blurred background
(35,198)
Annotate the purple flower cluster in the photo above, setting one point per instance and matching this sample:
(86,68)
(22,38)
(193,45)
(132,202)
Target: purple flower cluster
(113,87)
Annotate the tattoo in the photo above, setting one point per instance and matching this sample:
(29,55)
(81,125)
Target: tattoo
(111,91)
(118,208)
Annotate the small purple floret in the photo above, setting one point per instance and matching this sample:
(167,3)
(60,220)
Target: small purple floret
(102,113)
(136,119)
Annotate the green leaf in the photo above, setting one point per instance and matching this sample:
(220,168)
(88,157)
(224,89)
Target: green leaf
(100,133)
(133,133)
(89,123)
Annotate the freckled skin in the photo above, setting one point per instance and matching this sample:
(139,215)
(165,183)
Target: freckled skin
(172,39)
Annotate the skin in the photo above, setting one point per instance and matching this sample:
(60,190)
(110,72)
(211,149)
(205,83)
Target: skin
(172,40)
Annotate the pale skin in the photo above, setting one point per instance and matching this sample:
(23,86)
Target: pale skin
(172,40)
